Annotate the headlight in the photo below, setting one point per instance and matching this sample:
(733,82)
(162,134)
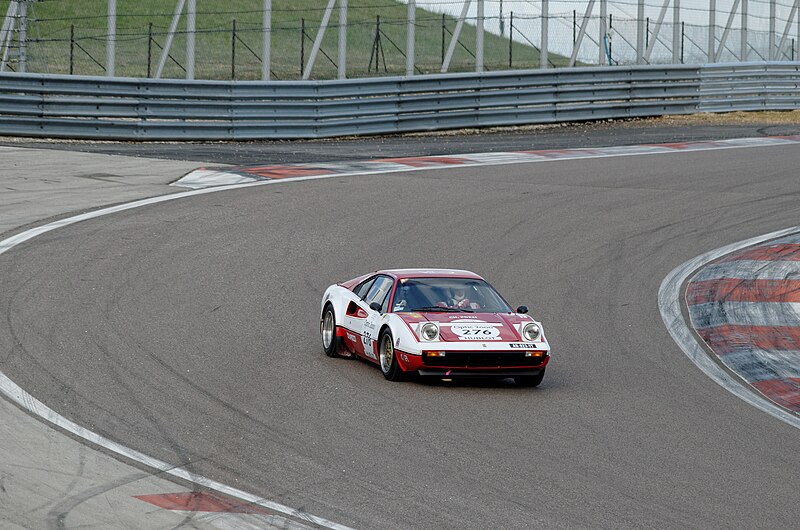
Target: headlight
(531,331)
(429,331)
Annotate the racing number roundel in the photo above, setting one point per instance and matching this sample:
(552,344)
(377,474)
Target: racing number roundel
(475,330)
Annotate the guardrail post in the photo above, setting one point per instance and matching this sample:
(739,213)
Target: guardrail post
(342,39)
(111,38)
(411,36)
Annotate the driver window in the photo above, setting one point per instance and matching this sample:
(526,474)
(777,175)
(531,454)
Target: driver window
(380,290)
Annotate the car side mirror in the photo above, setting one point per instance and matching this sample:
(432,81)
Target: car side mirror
(375,306)
(522,309)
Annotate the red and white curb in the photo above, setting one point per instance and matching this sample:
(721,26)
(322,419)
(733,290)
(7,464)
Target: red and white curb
(209,177)
(743,306)
(746,307)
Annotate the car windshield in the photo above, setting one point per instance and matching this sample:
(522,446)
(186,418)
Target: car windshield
(447,295)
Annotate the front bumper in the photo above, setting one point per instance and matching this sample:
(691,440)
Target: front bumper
(472,363)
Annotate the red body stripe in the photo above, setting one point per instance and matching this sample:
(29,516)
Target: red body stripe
(784,392)
(192,501)
(725,339)
(737,290)
(782,252)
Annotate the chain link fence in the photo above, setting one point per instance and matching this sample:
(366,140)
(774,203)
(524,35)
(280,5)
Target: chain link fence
(74,36)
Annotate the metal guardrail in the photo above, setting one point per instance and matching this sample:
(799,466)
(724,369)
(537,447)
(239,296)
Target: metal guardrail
(40,105)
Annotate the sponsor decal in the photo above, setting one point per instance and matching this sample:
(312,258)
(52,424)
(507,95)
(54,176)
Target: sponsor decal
(369,353)
(525,345)
(404,357)
(351,337)
(397,342)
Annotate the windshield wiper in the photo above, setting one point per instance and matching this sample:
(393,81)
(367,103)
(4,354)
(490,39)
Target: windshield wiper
(443,309)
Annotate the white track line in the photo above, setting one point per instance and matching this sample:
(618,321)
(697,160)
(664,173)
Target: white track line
(669,303)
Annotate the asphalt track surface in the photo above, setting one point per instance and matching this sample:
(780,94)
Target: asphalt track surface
(189,331)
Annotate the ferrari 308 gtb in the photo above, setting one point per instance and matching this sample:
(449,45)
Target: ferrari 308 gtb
(432,322)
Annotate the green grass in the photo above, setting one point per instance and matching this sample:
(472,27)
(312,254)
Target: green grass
(50,22)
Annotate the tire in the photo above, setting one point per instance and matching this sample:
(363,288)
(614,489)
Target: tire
(330,342)
(388,360)
(530,380)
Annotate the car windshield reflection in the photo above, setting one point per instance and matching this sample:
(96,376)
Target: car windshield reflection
(447,295)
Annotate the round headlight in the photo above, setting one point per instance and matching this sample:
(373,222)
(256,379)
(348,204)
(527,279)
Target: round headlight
(429,331)
(531,331)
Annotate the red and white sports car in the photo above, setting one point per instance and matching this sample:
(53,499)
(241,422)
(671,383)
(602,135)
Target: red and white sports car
(432,322)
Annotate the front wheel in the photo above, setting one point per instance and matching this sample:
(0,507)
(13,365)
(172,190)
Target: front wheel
(391,370)
(530,380)
(330,342)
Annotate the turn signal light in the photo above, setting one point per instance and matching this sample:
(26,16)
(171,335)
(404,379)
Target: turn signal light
(434,354)
(536,354)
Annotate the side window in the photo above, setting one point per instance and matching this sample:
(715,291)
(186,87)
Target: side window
(380,290)
(362,288)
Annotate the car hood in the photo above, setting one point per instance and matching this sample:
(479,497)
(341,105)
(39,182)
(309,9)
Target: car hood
(456,327)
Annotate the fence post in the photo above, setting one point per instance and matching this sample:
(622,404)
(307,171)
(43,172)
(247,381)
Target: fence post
(772,7)
(71,48)
(302,45)
(342,39)
(111,38)
(443,30)
(149,47)
(510,40)
(22,62)
(479,38)
(411,36)
(640,32)
(266,48)
(743,51)
(233,50)
(712,29)
(191,14)
(676,31)
(602,40)
(683,38)
(544,45)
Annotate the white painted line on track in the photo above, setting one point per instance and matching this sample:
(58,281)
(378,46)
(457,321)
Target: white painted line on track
(669,304)
(25,400)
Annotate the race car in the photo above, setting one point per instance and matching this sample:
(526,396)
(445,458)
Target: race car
(442,323)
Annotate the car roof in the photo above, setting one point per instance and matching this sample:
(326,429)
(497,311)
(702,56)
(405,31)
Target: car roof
(400,274)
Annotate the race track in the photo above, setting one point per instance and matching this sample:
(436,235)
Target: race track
(189,331)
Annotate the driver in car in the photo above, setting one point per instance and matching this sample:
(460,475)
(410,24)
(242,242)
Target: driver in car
(460,300)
